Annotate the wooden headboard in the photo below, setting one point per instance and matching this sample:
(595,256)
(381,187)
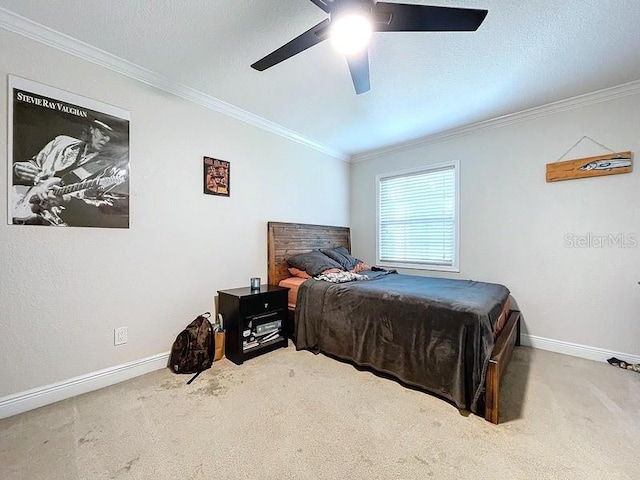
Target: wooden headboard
(285,240)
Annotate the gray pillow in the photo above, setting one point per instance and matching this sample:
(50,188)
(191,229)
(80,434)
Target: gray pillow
(342,256)
(314,263)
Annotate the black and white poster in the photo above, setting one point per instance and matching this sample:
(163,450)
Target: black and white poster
(68,159)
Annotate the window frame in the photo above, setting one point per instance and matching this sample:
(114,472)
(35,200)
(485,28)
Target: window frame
(455,266)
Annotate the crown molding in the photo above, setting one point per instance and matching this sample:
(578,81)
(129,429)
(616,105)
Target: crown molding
(40,33)
(579,101)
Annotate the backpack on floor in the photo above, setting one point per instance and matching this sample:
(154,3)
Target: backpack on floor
(193,349)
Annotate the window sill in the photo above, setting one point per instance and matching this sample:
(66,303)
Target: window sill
(418,266)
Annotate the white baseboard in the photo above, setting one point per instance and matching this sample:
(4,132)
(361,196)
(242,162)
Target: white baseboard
(41,396)
(575,350)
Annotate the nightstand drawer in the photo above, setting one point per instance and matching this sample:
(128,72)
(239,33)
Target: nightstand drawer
(260,304)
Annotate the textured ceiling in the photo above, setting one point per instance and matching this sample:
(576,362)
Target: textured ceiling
(525,54)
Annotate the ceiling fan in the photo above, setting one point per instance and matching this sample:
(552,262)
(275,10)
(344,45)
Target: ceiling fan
(351,22)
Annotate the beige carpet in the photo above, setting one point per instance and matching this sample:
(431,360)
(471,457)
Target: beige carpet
(295,415)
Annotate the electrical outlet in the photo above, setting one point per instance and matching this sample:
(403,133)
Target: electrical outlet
(120,336)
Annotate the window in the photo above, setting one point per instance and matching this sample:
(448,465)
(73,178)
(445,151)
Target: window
(418,218)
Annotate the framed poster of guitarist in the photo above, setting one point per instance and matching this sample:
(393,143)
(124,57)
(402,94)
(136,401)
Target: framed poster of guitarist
(68,159)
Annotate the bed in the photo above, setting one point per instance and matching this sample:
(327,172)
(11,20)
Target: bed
(457,347)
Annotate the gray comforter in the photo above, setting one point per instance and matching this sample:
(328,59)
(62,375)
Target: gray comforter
(433,333)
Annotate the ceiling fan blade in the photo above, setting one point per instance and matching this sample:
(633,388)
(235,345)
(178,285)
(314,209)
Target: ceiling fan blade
(308,39)
(324,5)
(401,17)
(359,68)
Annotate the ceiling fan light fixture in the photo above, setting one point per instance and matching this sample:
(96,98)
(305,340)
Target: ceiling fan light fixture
(351,23)
(350,33)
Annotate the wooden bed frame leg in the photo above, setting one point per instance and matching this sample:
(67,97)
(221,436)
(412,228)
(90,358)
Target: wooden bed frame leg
(491,393)
(502,351)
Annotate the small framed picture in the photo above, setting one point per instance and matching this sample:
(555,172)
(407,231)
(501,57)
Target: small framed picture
(217,175)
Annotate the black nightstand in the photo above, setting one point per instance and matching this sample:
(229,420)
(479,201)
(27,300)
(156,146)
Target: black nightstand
(254,320)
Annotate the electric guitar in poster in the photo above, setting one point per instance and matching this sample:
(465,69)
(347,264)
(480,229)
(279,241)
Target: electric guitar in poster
(27,207)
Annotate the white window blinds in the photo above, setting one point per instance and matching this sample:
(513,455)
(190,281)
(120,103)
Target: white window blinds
(418,218)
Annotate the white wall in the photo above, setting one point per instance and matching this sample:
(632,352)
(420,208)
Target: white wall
(513,224)
(64,290)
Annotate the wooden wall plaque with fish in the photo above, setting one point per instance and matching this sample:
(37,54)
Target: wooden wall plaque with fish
(610,164)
